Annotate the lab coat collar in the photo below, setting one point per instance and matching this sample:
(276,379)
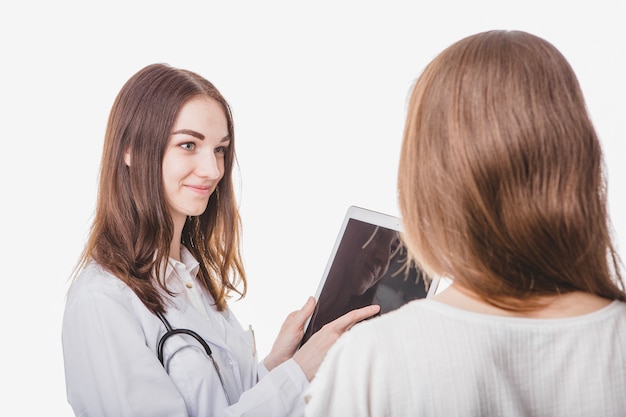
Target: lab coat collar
(190,263)
(180,313)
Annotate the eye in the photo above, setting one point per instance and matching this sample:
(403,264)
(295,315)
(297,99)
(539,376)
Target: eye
(221,149)
(189,146)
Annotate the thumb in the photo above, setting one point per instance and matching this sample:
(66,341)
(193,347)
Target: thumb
(308,307)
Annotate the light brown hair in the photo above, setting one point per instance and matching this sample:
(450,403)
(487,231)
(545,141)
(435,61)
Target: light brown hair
(500,181)
(132,228)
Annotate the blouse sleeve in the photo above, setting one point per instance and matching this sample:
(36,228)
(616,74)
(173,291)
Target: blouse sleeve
(349,382)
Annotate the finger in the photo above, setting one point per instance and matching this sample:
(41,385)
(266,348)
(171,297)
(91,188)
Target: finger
(305,312)
(308,307)
(352,317)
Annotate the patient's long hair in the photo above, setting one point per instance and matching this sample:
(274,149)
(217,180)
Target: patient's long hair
(500,181)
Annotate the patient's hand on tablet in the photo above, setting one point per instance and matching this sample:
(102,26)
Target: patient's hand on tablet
(311,354)
(314,350)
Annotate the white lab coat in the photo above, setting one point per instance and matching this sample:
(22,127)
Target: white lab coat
(111,366)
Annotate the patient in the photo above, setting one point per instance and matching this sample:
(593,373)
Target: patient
(501,189)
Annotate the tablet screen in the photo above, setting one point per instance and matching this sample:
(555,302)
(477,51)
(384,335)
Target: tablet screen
(369,265)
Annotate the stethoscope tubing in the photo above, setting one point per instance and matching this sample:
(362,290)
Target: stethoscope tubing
(171,332)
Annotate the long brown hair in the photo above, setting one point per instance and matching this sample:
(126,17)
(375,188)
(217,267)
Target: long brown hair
(132,229)
(500,181)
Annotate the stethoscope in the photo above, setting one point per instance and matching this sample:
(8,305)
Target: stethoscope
(171,332)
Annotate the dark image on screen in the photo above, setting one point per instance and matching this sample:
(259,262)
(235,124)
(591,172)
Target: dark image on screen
(370,267)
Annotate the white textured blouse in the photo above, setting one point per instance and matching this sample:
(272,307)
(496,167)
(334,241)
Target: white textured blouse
(431,359)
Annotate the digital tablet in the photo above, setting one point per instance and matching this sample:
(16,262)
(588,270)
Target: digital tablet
(368,265)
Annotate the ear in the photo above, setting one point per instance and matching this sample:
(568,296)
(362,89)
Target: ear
(127,157)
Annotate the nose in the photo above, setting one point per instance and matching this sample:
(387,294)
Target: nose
(209,166)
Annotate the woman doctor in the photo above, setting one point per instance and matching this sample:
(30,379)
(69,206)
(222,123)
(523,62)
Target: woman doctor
(147,330)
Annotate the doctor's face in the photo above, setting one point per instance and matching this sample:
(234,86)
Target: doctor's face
(193,163)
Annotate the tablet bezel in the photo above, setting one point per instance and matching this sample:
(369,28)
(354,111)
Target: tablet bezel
(371,217)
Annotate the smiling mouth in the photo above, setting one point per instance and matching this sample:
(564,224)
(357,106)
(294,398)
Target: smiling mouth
(199,189)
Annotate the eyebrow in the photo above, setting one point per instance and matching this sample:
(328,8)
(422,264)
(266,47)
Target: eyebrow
(197,134)
(190,133)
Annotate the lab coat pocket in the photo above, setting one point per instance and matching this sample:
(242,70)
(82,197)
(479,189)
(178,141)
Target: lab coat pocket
(249,345)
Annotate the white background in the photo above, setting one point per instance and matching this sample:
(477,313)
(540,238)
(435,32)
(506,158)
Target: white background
(318,92)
